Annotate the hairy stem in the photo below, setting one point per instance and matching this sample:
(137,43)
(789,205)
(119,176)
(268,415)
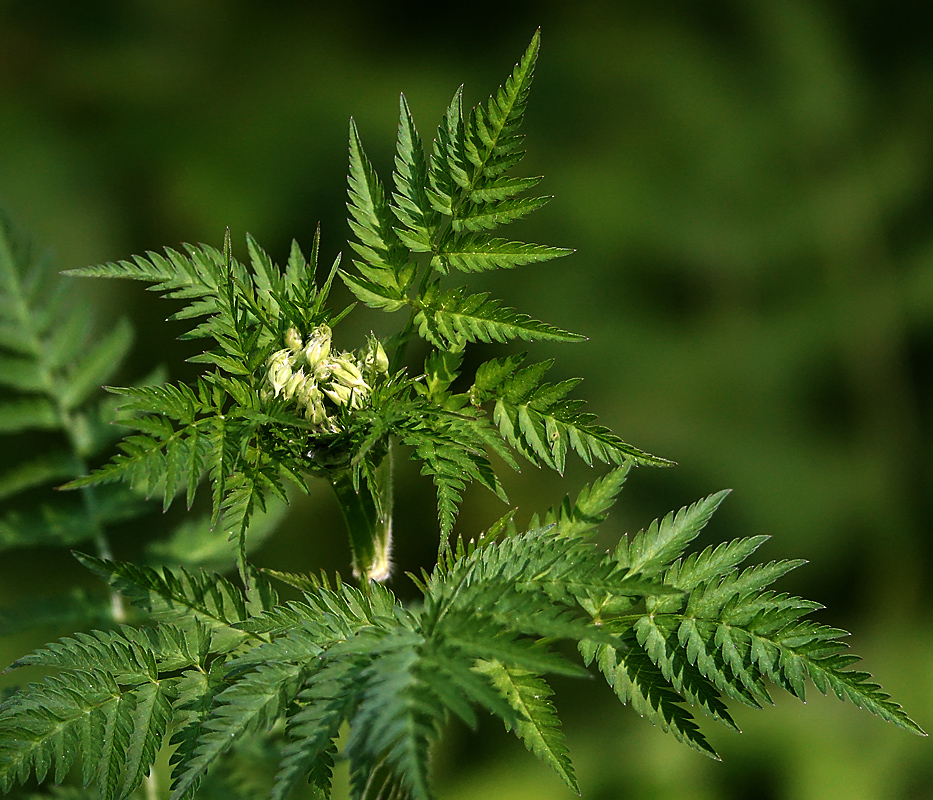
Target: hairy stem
(367,512)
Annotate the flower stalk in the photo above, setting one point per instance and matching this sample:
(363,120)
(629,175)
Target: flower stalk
(367,512)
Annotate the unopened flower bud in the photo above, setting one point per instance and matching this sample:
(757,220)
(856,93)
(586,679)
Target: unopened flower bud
(339,393)
(311,397)
(318,347)
(358,398)
(374,358)
(293,340)
(344,370)
(306,391)
(280,369)
(293,385)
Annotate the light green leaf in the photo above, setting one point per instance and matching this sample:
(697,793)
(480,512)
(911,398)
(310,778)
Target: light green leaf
(41,470)
(538,727)
(485,216)
(22,374)
(23,415)
(651,550)
(454,318)
(97,366)
(476,253)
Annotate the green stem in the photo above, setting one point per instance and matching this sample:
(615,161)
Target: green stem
(367,513)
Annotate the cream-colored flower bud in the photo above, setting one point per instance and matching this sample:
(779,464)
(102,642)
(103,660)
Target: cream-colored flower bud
(381,359)
(305,392)
(345,370)
(294,384)
(339,393)
(358,397)
(280,369)
(293,340)
(374,358)
(318,347)
(312,398)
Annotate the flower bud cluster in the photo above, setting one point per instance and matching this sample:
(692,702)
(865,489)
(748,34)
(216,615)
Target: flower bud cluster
(318,382)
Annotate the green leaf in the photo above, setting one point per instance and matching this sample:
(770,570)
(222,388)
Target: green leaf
(244,494)
(639,683)
(503,189)
(860,689)
(411,204)
(22,375)
(662,647)
(537,420)
(150,721)
(32,414)
(372,222)
(324,704)
(250,705)
(69,521)
(493,139)
(477,253)
(590,508)
(538,727)
(485,216)
(152,462)
(449,176)
(451,448)
(651,550)
(451,319)
(47,725)
(97,366)
(386,295)
(38,471)
(175,594)
(398,717)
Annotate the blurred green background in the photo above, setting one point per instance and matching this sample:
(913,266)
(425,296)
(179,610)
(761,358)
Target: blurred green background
(749,189)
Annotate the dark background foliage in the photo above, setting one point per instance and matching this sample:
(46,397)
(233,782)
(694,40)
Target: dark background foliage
(749,188)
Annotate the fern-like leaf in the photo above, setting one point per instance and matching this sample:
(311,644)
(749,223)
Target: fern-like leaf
(197,277)
(590,508)
(398,717)
(452,319)
(664,541)
(324,704)
(639,683)
(539,727)
(251,704)
(174,594)
(452,448)
(493,140)
(411,204)
(385,267)
(478,253)
(540,422)
(117,730)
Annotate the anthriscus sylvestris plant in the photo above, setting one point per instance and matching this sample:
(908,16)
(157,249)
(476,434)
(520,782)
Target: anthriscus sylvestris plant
(221,673)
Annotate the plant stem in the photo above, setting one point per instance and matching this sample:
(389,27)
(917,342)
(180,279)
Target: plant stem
(367,512)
